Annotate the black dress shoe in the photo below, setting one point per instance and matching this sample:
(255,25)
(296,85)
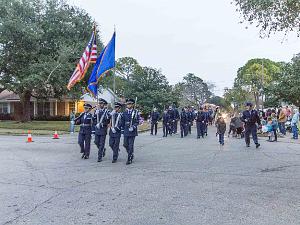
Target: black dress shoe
(257,145)
(114,161)
(82,156)
(99,160)
(86,157)
(128,162)
(248,146)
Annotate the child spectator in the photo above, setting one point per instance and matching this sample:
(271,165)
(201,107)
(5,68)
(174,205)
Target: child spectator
(275,125)
(221,129)
(270,129)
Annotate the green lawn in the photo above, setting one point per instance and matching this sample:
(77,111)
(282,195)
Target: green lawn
(36,125)
(43,127)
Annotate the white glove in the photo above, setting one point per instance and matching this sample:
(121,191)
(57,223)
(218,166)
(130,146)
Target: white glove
(72,122)
(130,129)
(98,125)
(113,130)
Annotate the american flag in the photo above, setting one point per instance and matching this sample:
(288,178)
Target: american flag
(89,56)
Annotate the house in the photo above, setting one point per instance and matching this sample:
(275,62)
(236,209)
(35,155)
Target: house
(11,107)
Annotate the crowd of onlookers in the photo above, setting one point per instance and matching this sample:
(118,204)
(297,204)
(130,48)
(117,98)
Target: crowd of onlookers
(275,122)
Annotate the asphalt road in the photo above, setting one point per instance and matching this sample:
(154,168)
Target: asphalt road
(172,181)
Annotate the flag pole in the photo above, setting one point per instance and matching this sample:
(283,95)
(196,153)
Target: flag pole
(97,85)
(114,75)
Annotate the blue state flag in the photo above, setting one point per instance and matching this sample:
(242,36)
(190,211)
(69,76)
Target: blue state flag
(104,63)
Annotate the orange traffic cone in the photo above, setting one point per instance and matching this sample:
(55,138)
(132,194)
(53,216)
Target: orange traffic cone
(55,135)
(29,137)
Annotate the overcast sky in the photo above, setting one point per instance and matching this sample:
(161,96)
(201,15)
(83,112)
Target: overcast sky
(192,36)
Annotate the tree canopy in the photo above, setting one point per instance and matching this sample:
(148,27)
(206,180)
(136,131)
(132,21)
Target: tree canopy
(286,86)
(255,77)
(40,43)
(271,15)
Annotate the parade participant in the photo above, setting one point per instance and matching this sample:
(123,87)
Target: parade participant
(173,122)
(191,119)
(101,120)
(115,130)
(200,121)
(130,122)
(206,113)
(166,123)
(184,122)
(221,129)
(177,117)
(154,118)
(85,120)
(250,118)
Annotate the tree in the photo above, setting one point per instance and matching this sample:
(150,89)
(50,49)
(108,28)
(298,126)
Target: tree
(219,101)
(193,90)
(237,97)
(126,67)
(271,15)
(256,76)
(286,86)
(151,88)
(40,42)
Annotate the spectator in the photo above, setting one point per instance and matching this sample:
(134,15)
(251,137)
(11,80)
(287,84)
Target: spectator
(294,123)
(274,125)
(72,122)
(232,126)
(238,124)
(270,129)
(288,112)
(282,118)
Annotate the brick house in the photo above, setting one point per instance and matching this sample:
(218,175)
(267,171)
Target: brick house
(10,104)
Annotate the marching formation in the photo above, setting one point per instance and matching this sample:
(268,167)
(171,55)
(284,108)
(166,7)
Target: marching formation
(103,120)
(203,117)
(171,117)
(115,123)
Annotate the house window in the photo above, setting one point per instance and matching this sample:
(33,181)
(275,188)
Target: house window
(71,107)
(3,107)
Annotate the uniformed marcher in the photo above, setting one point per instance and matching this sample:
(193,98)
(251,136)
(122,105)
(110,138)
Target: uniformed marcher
(201,121)
(115,131)
(85,120)
(191,118)
(177,118)
(250,117)
(130,122)
(166,120)
(101,120)
(184,122)
(173,122)
(154,118)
